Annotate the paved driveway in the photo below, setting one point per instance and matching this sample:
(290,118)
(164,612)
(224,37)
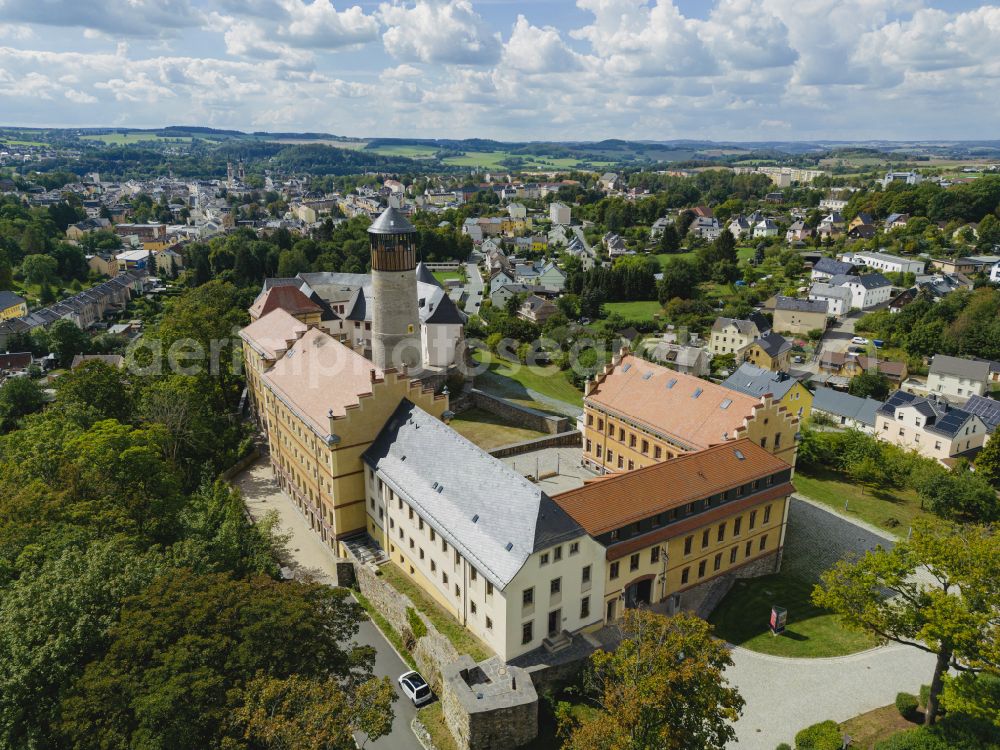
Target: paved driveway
(474,287)
(838,336)
(309,555)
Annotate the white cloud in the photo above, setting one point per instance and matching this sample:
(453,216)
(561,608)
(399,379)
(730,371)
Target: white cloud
(79,97)
(319,24)
(531,49)
(16,31)
(438,31)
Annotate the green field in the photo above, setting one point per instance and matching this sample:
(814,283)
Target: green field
(742,619)
(642,310)
(488,431)
(410,152)
(664,258)
(509,380)
(121,139)
(892,510)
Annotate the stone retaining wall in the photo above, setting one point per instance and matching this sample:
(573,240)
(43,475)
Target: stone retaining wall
(490,705)
(432,651)
(515,414)
(241,465)
(562,439)
(705,597)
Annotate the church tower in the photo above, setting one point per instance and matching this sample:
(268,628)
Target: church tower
(395,317)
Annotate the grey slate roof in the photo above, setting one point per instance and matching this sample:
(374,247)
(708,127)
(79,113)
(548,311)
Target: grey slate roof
(974,369)
(9,299)
(391,221)
(800,305)
(842,404)
(774,344)
(867,280)
(449,481)
(756,381)
(941,417)
(987,409)
(833,267)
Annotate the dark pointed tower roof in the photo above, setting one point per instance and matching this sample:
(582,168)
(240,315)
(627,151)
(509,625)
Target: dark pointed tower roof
(392,221)
(424,274)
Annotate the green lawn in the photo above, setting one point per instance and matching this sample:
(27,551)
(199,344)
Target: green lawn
(742,618)
(642,310)
(488,431)
(745,253)
(444,276)
(410,152)
(892,510)
(432,717)
(464,641)
(509,379)
(664,258)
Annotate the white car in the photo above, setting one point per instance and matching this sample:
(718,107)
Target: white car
(415,688)
(859,340)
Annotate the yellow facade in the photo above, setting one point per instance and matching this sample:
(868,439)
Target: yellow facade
(18,310)
(633,446)
(755,355)
(696,556)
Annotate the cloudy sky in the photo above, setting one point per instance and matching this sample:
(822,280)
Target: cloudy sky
(509,69)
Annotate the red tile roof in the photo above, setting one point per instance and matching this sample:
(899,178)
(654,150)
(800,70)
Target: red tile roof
(621,499)
(288,298)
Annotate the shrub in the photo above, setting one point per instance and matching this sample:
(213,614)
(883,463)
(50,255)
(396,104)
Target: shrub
(906,704)
(912,739)
(417,625)
(823,736)
(783,746)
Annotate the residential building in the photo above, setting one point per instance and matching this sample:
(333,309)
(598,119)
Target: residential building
(706,227)
(12,306)
(637,413)
(885,262)
(785,389)
(537,309)
(958,378)
(793,315)
(826,268)
(765,228)
(867,290)
(503,293)
(730,335)
(908,178)
(772,351)
(987,409)
(845,410)
(487,544)
(559,213)
(131,260)
(798,231)
(844,365)
(691,360)
(740,227)
(14,362)
(672,527)
(839,299)
(291,300)
(929,425)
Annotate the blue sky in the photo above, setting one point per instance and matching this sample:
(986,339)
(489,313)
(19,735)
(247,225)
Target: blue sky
(506,69)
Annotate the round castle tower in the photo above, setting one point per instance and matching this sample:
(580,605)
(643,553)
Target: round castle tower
(396,316)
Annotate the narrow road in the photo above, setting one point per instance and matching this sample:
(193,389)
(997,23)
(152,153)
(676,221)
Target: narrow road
(310,556)
(475,288)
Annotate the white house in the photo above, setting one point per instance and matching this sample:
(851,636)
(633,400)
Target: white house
(930,426)
(765,228)
(559,213)
(838,298)
(867,291)
(885,262)
(957,378)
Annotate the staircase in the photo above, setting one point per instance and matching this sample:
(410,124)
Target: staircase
(556,643)
(366,550)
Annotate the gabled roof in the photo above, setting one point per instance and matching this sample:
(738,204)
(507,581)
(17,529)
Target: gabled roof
(621,499)
(756,381)
(444,311)
(833,267)
(691,411)
(845,405)
(867,280)
(773,344)
(800,305)
(9,299)
(491,514)
(974,369)
(288,298)
(15,360)
(941,417)
(270,334)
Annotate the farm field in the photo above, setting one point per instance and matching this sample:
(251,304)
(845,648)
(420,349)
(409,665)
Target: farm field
(121,139)
(410,152)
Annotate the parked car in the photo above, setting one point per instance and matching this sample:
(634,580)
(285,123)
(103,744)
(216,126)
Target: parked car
(415,688)
(859,340)
(879,343)
(798,359)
